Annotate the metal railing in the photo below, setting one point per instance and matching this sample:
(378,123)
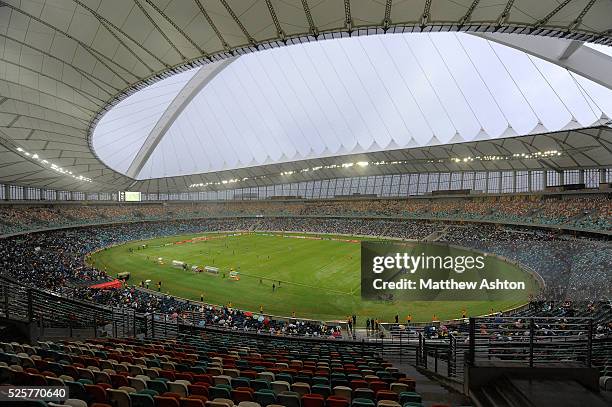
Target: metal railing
(533,341)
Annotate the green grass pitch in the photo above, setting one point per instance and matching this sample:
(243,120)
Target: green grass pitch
(319,279)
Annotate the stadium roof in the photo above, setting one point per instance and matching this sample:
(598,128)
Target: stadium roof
(333,98)
(64,64)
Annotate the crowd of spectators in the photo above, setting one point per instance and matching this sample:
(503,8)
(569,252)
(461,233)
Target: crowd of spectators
(573,268)
(590,212)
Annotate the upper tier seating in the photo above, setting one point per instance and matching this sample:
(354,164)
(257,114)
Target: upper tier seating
(589,212)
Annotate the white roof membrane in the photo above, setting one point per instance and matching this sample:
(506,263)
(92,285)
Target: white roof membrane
(349,95)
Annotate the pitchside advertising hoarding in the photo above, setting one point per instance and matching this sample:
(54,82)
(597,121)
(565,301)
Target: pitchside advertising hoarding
(422,271)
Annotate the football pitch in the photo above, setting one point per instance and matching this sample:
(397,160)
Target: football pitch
(315,277)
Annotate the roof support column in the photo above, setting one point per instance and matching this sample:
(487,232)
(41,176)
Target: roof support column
(529,188)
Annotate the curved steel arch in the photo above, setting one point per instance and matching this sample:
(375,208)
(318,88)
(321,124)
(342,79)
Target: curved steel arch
(204,75)
(569,54)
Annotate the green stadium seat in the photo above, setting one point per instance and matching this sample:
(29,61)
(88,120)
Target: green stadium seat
(363,393)
(359,402)
(321,389)
(264,398)
(288,399)
(409,396)
(158,385)
(218,392)
(258,384)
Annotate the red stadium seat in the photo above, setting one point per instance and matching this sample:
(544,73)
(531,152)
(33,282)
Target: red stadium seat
(336,401)
(378,385)
(198,389)
(96,393)
(241,395)
(386,395)
(313,400)
(358,384)
(161,401)
(189,402)
(173,395)
(198,397)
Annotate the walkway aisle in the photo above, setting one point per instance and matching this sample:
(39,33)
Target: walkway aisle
(431,391)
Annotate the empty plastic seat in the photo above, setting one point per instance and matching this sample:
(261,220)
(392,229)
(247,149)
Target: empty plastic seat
(158,385)
(343,391)
(137,383)
(167,374)
(142,400)
(187,402)
(320,380)
(119,380)
(74,403)
(386,395)
(240,382)
(216,392)
(177,387)
(170,394)
(399,387)
(264,397)
(313,400)
(302,378)
(76,390)
(409,396)
(321,389)
(86,374)
(222,401)
(336,401)
(378,385)
(358,384)
(118,398)
(258,384)
(231,372)
(101,377)
(222,379)
(198,389)
(364,393)
(279,386)
(241,395)
(388,403)
(161,401)
(410,382)
(204,399)
(359,402)
(300,388)
(284,377)
(288,399)
(267,376)
(95,393)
